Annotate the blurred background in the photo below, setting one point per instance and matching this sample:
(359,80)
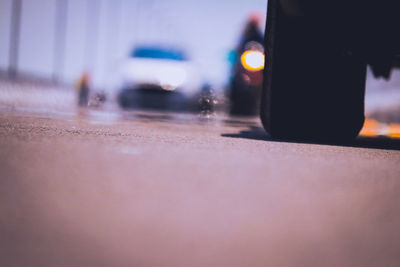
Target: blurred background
(59,39)
(56,54)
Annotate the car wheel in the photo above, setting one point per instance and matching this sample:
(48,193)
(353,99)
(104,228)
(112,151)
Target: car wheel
(314,83)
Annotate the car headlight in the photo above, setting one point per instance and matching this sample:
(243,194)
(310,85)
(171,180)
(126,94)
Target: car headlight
(253,60)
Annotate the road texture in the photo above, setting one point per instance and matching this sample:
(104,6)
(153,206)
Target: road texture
(93,188)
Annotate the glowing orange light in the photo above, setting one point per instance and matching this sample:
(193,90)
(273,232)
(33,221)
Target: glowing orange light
(394,130)
(253,60)
(371,128)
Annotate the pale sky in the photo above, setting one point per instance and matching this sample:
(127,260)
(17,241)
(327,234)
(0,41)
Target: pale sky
(206,29)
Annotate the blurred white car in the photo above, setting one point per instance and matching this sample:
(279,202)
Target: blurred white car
(157,69)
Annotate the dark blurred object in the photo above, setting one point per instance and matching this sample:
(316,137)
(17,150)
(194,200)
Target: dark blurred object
(83,90)
(152,97)
(247,76)
(97,99)
(396,62)
(207,100)
(316,58)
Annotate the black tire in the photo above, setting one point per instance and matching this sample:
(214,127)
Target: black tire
(314,85)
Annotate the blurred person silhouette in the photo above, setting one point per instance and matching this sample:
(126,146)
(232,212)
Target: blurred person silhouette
(251,33)
(83,90)
(247,71)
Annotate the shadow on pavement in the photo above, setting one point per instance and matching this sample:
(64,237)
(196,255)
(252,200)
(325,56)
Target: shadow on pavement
(258,133)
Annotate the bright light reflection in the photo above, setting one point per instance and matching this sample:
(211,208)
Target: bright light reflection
(253,60)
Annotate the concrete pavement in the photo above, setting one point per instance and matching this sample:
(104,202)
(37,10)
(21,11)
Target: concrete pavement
(152,189)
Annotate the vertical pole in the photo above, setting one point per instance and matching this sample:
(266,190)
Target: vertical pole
(60,39)
(14,38)
(112,35)
(92,29)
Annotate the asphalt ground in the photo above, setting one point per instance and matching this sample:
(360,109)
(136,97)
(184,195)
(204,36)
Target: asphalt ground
(106,187)
(97,188)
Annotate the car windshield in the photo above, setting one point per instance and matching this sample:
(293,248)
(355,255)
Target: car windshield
(146,52)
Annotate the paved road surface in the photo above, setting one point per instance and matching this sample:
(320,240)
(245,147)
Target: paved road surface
(147,189)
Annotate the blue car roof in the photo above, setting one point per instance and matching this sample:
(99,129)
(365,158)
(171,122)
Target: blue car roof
(158,53)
